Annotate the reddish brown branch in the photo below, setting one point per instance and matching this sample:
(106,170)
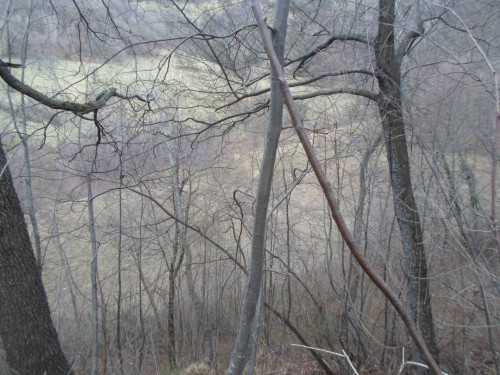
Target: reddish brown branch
(332,200)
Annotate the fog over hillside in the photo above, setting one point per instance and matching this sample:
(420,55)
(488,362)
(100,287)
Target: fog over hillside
(170,219)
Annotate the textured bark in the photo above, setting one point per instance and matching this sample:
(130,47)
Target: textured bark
(390,105)
(331,197)
(239,357)
(28,334)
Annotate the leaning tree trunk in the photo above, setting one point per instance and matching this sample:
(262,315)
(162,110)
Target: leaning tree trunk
(331,197)
(239,357)
(28,334)
(391,112)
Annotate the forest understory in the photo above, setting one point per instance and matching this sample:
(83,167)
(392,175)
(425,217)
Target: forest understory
(249,187)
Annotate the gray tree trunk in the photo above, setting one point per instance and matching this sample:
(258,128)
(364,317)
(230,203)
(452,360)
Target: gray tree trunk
(28,334)
(390,104)
(119,272)
(93,266)
(239,357)
(23,135)
(181,210)
(331,196)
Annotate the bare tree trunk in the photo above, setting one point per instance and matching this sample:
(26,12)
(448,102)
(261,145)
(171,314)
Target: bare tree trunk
(182,212)
(104,319)
(175,264)
(239,357)
(331,196)
(171,308)
(93,266)
(119,273)
(391,112)
(474,246)
(28,334)
(494,157)
(23,135)
(151,298)
(93,277)
(71,283)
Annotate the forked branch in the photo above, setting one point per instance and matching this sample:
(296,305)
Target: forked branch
(77,108)
(331,198)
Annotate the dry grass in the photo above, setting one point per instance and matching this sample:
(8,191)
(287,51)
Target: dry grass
(198,369)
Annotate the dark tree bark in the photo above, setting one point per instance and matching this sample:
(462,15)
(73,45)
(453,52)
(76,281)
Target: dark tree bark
(28,334)
(390,105)
(331,196)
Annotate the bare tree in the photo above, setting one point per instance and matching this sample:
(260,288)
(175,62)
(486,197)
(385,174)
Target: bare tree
(390,103)
(332,200)
(253,291)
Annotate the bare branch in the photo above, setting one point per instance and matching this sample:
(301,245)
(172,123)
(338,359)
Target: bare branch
(301,83)
(344,37)
(191,227)
(77,108)
(332,199)
(334,37)
(352,91)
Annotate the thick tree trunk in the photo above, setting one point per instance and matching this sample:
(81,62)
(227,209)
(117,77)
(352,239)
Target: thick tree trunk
(28,334)
(240,353)
(391,112)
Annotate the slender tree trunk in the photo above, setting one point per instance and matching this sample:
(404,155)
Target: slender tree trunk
(390,105)
(239,357)
(67,270)
(104,319)
(171,311)
(472,243)
(28,334)
(154,307)
(140,351)
(119,274)
(331,196)
(93,266)
(182,213)
(23,135)
(93,277)
(175,264)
